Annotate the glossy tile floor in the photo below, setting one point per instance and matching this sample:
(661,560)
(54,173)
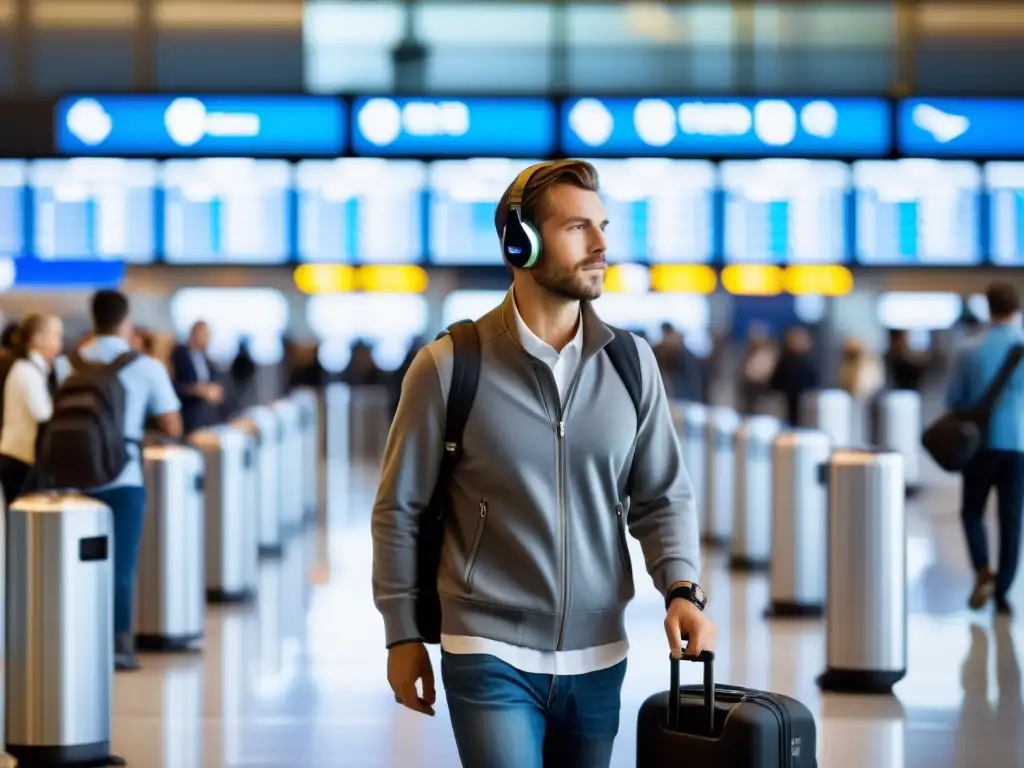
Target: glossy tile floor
(298,680)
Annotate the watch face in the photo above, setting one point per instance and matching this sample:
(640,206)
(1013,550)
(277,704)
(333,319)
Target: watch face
(698,594)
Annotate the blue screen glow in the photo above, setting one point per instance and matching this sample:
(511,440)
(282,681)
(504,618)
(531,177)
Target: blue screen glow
(658,210)
(949,127)
(463,194)
(782,211)
(361,210)
(227,211)
(200,125)
(12,207)
(94,208)
(454,127)
(917,212)
(851,127)
(1004,183)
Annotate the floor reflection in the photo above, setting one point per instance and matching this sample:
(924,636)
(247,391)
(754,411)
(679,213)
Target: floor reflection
(297,679)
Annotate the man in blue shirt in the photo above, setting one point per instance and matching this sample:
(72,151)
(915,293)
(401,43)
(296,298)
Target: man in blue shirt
(148,393)
(1000,464)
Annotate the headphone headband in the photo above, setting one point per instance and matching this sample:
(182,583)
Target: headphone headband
(515,198)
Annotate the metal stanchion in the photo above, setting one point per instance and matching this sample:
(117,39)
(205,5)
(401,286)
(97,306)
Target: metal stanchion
(290,461)
(829,411)
(170,596)
(261,425)
(309,423)
(60,630)
(721,436)
(866,648)
(231,514)
(369,420)
(799,523)
(896,424)
(752,511)
(692,425)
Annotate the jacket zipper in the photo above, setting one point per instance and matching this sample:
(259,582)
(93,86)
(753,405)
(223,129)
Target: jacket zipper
(620,523)
(474,551)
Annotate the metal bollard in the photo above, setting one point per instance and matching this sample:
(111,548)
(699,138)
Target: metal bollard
(369,420)
(896,424)
(170,597)
(261,424)
(692,426)
(230,511)
(309,425)
(60,630)
(866,646)
(752,510)
(721,435)
(290,463)
(829,411)
(799,524)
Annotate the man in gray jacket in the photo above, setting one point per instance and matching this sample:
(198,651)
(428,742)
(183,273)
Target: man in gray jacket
(535,573)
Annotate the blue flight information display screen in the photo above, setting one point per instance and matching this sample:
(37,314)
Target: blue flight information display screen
(463,195)
(917,212)
(846,127)
(200,125)
(517,127)
(361,210)
(659,211)
(1004,183)
(782,211)
(227,211)
(961,127)
(94,208)
(13,180)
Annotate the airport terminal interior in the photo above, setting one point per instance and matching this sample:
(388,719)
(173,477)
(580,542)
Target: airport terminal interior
(314,182)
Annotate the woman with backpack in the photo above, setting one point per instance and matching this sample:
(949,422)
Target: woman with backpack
(27,398)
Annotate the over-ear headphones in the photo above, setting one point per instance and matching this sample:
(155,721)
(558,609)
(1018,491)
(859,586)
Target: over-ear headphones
(520,240)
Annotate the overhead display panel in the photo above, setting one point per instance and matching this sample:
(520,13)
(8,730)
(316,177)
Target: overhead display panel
(94,208)
(1004,184)
(659,211)
(227,211)
(782,211)
(13,191)
(617,127)
(917,212)
(162,125)
(961,127)
(361,210)
(506,127)
(463,196)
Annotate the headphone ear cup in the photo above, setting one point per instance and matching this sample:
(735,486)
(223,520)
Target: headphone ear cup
(520,243)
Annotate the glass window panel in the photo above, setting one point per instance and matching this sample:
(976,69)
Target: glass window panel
(480,24)
(6,60)
(82,60)
(347,45)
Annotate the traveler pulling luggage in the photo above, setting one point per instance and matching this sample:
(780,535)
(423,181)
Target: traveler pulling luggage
(723,726)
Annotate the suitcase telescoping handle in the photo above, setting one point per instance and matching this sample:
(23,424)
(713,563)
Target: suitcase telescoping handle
(707,658)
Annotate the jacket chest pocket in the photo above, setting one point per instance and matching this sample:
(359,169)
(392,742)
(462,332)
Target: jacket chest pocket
(474,550)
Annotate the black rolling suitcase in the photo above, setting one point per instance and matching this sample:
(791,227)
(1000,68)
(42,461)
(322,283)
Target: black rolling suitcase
(702,726)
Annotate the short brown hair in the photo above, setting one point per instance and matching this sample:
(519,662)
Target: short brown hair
(1003,300)
(575,172)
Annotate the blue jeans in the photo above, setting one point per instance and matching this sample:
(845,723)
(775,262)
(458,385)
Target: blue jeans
(128,503)
(504,718)
(1004,471)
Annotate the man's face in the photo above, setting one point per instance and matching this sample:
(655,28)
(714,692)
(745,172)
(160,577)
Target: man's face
(572,263)
(201,336)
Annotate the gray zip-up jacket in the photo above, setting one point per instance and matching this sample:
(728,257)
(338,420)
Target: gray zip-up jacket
(535,549)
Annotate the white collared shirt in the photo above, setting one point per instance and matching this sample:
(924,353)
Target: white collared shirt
(27,404)
(564,366)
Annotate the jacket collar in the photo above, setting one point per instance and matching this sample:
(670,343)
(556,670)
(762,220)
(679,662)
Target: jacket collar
(596,335)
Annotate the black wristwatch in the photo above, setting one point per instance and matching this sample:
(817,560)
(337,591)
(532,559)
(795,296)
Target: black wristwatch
(691,592)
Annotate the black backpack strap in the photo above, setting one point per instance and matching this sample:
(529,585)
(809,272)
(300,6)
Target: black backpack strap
(995,389)
(78,363)
(625,358)
(123,360)
(462,392)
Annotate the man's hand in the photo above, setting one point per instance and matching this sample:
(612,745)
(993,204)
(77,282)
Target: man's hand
(407,663)
(684,619)
(214,394)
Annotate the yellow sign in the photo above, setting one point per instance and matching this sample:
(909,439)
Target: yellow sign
(314,279)
(683,278)
(753,279)
(818,280)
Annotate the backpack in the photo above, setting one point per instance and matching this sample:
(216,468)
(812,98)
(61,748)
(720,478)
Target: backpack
(84,445)
(465,377)
(957,437)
